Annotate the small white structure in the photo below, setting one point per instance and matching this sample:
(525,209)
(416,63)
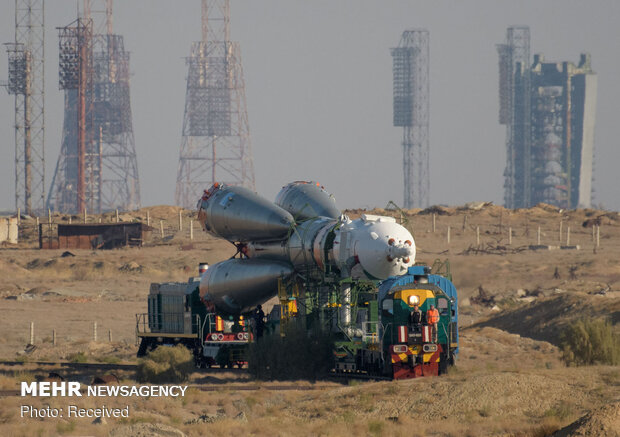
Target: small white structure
(8,230)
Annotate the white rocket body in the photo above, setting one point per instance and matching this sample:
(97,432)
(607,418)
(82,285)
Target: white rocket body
(372,247)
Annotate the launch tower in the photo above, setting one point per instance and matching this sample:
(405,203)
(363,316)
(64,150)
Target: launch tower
(549,112)
(97,168)
(216,142)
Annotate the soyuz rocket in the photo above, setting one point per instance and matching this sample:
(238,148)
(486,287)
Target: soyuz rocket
(302,232)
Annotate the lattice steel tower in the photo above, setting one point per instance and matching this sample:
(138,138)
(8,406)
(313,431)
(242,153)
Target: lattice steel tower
(411,110)
(216,140)
(97,168)
(514,112)
(26,82)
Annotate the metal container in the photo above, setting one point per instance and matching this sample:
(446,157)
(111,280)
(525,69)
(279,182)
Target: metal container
(240,215)
(236,286)
(305,200)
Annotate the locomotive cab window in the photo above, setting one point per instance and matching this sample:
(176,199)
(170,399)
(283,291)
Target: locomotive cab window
(388,306)
(442,306)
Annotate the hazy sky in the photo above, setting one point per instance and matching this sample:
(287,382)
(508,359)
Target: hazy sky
(318,80)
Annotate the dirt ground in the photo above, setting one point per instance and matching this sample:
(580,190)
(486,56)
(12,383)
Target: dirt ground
(514,301)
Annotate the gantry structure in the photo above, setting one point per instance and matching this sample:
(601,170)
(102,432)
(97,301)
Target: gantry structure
(411,111)
(97,168)
(26,81)
(215,145)
(549,112)
(514,113)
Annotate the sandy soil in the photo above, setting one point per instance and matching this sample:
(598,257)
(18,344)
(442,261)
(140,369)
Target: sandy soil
(509,379)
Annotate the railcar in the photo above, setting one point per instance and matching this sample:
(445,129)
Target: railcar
(177,315)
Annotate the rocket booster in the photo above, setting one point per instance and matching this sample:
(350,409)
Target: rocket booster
(306,200)
(237,285)
(303,231)
(238,214)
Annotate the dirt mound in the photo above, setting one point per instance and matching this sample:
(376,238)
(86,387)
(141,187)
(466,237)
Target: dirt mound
(474,206)
(604,421)
(439,210)
(546,318)
(10,268)
(39,263)
(160,212)
(131,267)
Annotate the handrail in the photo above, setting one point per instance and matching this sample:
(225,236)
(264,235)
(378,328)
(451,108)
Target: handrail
(164,322)
(367,332)
(448,337)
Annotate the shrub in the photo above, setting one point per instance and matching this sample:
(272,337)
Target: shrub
(562,411)
(298,354)
(79,357)
(590,342)
(166,365)
(108,359)
(375,427)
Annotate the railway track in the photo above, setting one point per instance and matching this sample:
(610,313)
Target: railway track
(337,376)
(223,386)
(100,366)
(77,366)
(345,376)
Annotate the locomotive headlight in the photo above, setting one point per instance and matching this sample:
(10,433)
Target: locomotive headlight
(414,300)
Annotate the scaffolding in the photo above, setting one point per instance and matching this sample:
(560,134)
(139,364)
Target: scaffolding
(111,170)
(26,82)
(563,115)
(216,143)
(75,185)
(411,111)
(549,113)
(514,112)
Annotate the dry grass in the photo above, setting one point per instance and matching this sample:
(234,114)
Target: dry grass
(493,390)
(386,409)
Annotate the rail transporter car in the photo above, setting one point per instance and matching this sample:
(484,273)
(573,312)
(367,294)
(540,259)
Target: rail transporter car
(176,315)
(382,343)
(389,345)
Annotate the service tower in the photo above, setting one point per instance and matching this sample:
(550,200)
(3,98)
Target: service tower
(549,110)
(97,167)
(216,141)
(411,101)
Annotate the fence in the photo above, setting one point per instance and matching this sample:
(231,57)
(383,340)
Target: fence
(91,334)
